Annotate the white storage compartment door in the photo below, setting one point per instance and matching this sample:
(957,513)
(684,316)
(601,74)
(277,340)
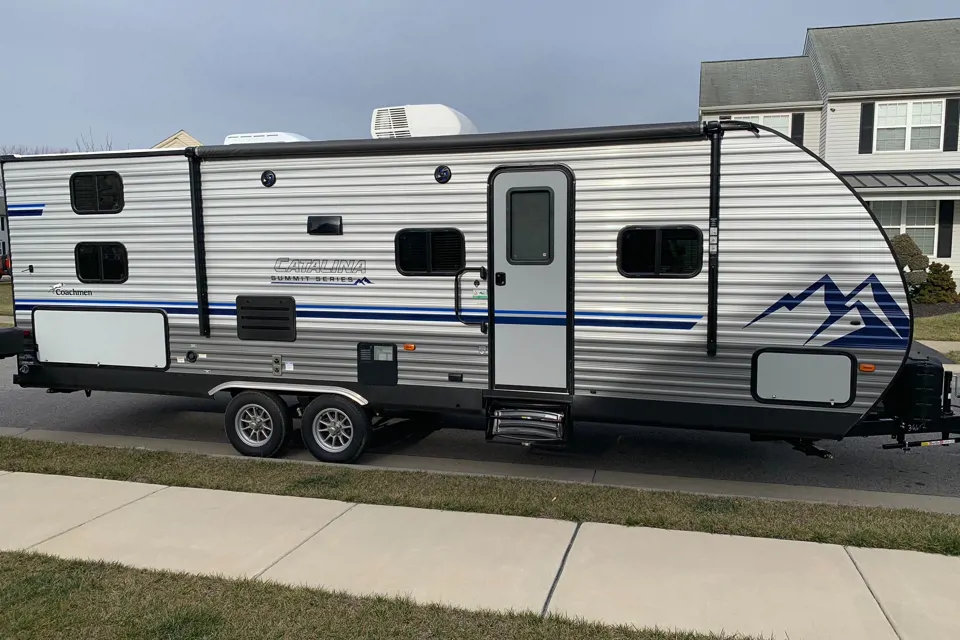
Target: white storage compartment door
(102,337)
(786,376)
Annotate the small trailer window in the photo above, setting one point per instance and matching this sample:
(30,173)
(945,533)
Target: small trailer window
(430,252)
(530,226)
(660,252)
(101,262)
(96,192)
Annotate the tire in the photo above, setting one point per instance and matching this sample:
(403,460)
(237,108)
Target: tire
(335,429)
(248,407)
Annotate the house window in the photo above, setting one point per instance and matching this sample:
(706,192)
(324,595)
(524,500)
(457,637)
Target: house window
(779,121)
(96,192)
(917,126)
(101,262)
(659,252)
(430,252)
(916,218)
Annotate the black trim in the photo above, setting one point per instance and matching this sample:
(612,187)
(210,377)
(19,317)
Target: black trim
(509,228)
(592,136)
(88,368)
(525,387)
(796,128)
(571,262)
(95,212)
(866,127)
(199,247)
(98,155)
(951,125)
(325,225)
(798,403)
(429,273)
(768,420)
(945,232)
(657,257)
(100,246)
(713,239)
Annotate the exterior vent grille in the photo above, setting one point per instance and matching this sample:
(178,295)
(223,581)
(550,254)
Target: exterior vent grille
(447,250)
(391,123)
(267,318)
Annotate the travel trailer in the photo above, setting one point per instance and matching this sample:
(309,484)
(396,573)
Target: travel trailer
(703,276)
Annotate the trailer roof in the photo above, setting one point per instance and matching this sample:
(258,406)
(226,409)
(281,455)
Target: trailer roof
(593,136)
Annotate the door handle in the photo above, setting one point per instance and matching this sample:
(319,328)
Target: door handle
(500,278)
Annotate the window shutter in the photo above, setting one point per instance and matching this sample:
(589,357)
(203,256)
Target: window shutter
(796,128)
(866,127)
(951,129)
(945,235)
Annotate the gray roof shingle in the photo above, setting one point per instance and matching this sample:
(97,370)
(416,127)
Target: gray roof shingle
(761,81)
(888,57)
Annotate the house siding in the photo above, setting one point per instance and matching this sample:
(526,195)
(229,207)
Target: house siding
(843,123)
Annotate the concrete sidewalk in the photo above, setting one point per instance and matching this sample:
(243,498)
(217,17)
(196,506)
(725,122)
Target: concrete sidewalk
(611,574)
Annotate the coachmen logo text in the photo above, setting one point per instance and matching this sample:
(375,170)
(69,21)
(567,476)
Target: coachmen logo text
(59,290)
(349,273)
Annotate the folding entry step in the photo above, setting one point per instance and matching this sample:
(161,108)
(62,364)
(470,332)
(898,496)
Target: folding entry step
(527,423)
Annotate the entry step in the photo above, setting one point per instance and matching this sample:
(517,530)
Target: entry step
(528,425)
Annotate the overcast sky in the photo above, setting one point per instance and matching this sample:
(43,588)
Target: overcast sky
(140,70)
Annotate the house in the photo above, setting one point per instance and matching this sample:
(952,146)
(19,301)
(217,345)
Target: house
(181,139)
(880,103)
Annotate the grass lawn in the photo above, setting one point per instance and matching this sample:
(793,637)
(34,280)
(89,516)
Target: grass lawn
(945,327)
(953,355)
(47,598)
(845,525)
(6,299)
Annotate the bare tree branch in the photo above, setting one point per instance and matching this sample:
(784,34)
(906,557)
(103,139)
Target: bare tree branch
(86,145)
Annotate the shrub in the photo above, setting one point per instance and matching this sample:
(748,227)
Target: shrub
(939,286)
(913,260)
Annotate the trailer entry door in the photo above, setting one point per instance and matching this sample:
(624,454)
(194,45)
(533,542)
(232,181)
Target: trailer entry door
(531,293)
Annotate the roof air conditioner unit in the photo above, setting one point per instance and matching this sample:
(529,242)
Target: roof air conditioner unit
(419,120)
(271,136)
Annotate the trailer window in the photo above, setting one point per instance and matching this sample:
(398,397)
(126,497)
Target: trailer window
(660,252)
(101,262)
(96,192)
(530,226)
(430,252)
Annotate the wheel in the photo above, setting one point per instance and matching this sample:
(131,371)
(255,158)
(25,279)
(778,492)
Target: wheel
(335,429)
(258,424)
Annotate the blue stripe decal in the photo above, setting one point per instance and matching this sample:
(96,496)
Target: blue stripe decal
(407,314)
(24,210)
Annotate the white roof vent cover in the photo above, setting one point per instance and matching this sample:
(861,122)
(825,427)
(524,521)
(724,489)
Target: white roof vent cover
(419,120)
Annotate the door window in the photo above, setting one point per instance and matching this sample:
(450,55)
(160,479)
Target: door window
(530,226)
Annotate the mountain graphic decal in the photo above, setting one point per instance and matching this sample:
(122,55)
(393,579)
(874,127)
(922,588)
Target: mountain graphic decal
(885,325)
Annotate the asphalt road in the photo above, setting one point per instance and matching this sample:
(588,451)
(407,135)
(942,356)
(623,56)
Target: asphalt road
(858,463)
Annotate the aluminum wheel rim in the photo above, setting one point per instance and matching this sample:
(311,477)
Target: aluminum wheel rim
(332,430)
(253,425)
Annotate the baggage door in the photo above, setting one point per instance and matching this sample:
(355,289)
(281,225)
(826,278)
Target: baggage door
(531,285)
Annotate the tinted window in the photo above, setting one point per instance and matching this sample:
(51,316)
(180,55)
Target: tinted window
(651,252)
(530,227)
(101,262)
(96,192)
(430,252)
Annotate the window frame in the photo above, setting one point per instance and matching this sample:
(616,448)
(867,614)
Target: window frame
(509,228)
(761,116)
(97,212)
(100,246)
(908,126)
(903,221)
(659,243)
(429,273)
